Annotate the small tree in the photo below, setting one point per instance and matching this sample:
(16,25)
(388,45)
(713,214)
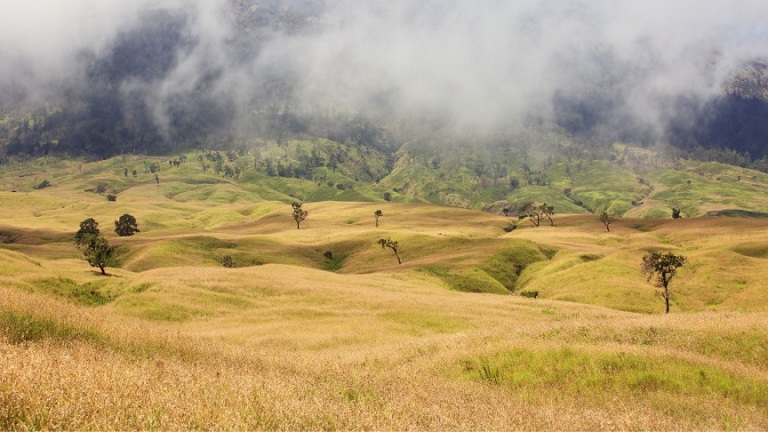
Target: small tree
(547,211)
(126,226)
(87,227)
(606,220)
(299,214)
(377,214)
(97,251)
(389,243)
(663,267)
(676,213)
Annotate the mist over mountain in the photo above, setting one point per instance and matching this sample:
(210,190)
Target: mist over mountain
(153,76)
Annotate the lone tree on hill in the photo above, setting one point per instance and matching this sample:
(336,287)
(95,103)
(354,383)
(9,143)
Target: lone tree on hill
(676,213)
(663,267)
(97,251)
(87,227)
(606,220)
(299,214)
(377,214)
(126,226)
(389,243)
(535,213)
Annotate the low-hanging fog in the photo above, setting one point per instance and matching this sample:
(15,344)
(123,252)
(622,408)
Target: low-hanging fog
(616,69)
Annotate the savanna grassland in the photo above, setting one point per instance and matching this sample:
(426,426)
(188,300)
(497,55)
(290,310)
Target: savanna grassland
(320,328)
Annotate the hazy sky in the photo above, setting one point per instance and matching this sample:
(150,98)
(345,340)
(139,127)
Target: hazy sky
(481,62)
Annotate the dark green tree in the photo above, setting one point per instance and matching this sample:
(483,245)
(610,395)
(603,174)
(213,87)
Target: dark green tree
(389,243)
(97,251)
(87,227)
(299,214)
(663,267)
(126,226)
(606,219)
(676,213)
(377,214)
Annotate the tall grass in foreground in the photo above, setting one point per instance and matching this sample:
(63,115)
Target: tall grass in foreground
(561,367)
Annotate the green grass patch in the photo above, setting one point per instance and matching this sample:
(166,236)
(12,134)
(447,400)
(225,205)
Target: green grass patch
(600,185)
(332,262)
(656,213)
(20,327)
(158,310)
(572,372)
(754,250)
(188,251)
(421,322)
(471,281)
(546,194)
(88,294)
(506,265)
(476,281)
(697,184)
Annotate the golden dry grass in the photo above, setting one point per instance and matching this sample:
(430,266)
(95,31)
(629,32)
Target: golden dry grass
(279,344)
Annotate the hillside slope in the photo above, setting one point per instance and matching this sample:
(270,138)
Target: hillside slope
(192,218)
(625,181)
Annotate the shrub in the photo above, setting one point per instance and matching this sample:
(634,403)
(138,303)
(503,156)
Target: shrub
(228,262)
(530,294)
(43,184)
(112,197)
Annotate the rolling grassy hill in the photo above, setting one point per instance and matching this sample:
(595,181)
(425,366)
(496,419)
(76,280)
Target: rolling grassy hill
(319,328)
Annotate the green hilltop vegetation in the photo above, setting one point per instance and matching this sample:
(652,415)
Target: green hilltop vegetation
(622,180)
